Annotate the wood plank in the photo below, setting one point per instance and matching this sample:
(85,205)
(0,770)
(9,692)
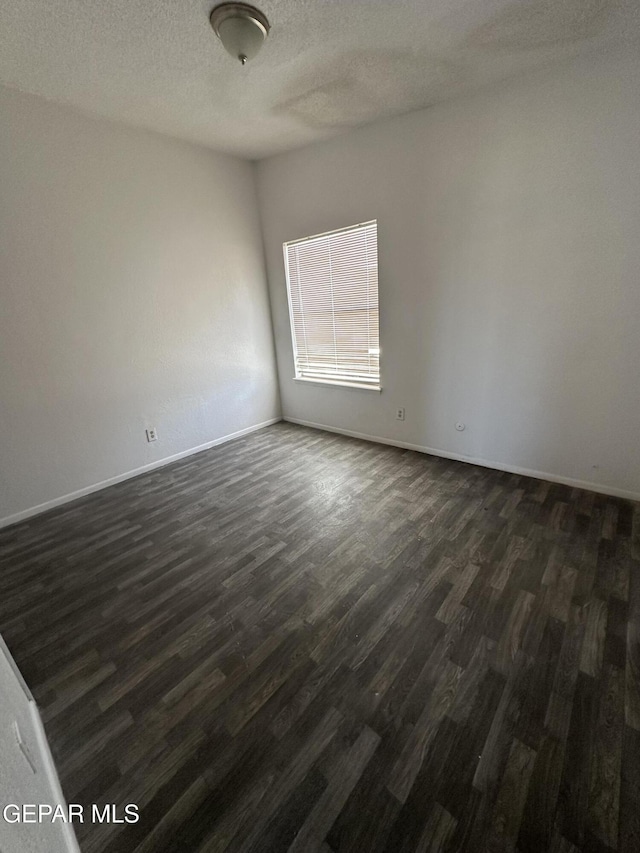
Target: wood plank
(593,644)
(511,797)
(346,775)
(604,791)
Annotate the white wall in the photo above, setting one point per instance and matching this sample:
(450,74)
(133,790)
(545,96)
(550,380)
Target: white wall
(132,294)
(509,252)
(27,773)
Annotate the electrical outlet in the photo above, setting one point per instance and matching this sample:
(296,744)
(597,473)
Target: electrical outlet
(152,435)
(400,414)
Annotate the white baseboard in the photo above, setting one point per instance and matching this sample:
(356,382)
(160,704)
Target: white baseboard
(445,454)
(485,463)
(119,478)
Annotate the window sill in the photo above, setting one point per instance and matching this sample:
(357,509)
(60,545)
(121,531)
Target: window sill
(336,383)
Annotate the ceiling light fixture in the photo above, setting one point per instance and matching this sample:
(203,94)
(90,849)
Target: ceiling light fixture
(241,29)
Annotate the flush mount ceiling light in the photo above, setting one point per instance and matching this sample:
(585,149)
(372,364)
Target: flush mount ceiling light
(241,29)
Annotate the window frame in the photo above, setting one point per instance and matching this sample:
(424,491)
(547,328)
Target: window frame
(327,381)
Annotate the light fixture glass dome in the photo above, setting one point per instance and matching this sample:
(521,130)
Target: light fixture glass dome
(241,28)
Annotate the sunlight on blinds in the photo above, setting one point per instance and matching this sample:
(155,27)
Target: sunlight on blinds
(332,281)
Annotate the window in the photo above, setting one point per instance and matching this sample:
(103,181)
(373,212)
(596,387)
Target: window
(332,281)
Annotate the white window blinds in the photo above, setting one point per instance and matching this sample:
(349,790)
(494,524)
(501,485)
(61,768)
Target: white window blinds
(332,280)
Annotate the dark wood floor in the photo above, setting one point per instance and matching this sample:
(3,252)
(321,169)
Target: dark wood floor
(300,641)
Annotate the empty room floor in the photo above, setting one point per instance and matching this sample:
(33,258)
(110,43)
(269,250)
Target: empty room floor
(301,641)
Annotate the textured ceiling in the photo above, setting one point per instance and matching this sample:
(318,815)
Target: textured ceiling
(327,64)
